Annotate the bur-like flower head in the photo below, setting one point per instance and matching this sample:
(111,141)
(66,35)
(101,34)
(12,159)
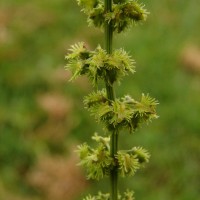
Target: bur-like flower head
(128,164)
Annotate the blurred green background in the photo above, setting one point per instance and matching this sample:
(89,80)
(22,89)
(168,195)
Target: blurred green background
(42,117)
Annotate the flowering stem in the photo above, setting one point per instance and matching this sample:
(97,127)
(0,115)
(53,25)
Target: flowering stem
(111,96)
(125,112)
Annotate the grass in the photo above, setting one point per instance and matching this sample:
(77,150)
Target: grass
(34,37)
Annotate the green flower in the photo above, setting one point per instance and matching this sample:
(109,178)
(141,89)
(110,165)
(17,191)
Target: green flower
(127,163)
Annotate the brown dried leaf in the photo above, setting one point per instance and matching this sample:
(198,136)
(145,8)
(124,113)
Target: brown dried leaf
(190,58)
(58,178)
(55,105)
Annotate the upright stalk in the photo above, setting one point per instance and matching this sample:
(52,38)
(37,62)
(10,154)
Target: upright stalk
(111,96)
(116,114)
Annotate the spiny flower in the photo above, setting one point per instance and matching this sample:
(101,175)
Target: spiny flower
(128,163)
(78,51)
(95,98)
(142,154)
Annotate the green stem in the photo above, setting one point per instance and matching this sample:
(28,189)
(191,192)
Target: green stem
(108,28)
(114,172)
(111,96)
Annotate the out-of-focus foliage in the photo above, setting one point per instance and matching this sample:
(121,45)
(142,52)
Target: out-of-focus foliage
(39,108)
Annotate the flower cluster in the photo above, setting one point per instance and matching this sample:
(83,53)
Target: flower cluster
(122,16)
(96,161)
(128,195)
(121,113)
(99,163)
(95,64)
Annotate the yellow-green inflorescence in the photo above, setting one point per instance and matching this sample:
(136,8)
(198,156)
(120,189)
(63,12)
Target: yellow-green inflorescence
(118,113)
(123,15)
